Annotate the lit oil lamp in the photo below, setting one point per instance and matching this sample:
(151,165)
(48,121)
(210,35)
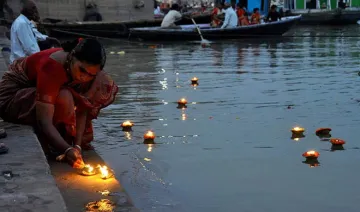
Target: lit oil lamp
(127,125)
(182,103)
(106,173)
(88,170)
(297,130)
(195,81)
(323,132)
(312,154)
(149,137)
(337,144)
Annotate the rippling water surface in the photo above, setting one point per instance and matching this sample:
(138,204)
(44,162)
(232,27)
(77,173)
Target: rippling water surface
(231,150)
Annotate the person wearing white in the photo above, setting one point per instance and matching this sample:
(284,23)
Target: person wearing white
(231,19)
(172,16)
(24,35)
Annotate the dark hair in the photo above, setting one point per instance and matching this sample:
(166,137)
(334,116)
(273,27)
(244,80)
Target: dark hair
(29,10)
(175,7)
(255,10)
(86,50)
(273,6)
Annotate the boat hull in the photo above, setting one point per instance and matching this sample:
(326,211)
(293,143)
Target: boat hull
(189,32)
(108,29)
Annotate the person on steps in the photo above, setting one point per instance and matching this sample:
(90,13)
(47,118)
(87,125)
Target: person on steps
(24,35)
(59,91)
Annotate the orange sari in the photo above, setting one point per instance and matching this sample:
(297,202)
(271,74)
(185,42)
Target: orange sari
(243,20)
(255,18)
(214,21)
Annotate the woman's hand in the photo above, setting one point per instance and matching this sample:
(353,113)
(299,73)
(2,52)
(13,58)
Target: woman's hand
(74,158)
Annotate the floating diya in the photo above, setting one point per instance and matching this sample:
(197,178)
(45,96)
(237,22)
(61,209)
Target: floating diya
(337,142)
(149,137)
(323,132)
(182,103)
(127,125)
(297,130)
(88,170)
(312,154)
(194,81)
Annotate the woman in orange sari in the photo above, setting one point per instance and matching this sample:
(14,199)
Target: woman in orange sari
(255,17)
(59,91)
(215,21)
(243,19)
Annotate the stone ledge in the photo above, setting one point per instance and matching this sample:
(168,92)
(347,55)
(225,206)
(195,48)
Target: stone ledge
(32,188)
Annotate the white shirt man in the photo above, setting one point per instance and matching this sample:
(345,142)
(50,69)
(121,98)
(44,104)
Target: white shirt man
(170,18)
(231,19)
(24,37)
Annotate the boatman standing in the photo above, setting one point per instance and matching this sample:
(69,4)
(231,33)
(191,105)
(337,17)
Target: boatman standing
(231,19)
(172,16)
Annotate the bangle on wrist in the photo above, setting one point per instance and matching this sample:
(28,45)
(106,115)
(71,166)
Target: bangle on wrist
(67,150)
(78,146)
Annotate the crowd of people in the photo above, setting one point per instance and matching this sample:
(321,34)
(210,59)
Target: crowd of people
(227,16)
(223,15)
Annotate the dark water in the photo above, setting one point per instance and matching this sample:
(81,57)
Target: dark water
(232,150)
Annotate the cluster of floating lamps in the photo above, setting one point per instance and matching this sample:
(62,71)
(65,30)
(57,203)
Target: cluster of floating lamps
(311,156)
(149,139)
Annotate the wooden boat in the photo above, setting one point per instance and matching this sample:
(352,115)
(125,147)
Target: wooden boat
(107,29)
(328,17)
(188,32)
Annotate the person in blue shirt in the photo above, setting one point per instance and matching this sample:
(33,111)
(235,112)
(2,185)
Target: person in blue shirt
(231,19)
(24,34)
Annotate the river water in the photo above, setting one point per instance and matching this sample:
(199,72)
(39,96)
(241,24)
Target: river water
(231,148)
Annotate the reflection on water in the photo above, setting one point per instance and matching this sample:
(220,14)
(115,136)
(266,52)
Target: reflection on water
(229,150)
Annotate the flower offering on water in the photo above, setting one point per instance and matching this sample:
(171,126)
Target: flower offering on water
(337,141)
(149,135)
(182,103)
(297,130)
(312,154)
(194,81)
(127,125)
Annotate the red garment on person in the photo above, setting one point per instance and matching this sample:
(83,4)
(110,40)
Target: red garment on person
(48,74)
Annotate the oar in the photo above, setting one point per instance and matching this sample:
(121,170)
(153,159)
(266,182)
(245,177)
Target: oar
(203,41)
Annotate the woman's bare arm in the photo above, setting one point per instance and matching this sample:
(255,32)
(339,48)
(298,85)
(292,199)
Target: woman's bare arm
(80,126)
(44,117)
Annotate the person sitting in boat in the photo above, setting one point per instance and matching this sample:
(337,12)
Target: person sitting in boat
(24,35)
(273,14)
(59,91)
(215,19)
(171,17)
(255,17)
(341,4)
(242,15)
(231,19)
